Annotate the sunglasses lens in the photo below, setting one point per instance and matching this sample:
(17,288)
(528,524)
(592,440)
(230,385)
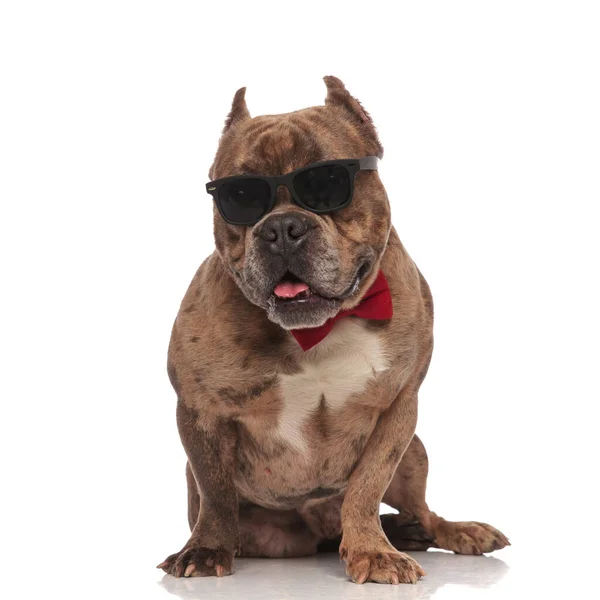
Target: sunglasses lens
(244,201)
(323,188)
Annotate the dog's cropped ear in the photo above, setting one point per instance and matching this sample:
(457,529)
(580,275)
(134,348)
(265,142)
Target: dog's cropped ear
(338,95)
(239,110)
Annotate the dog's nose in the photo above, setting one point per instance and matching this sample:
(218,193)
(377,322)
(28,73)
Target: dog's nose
(284,232)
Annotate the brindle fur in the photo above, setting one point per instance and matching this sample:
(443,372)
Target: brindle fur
(251,491)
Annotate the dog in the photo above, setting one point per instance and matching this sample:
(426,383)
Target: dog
(297,356)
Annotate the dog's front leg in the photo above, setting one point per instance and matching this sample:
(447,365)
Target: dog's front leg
(368,554)
(210,447)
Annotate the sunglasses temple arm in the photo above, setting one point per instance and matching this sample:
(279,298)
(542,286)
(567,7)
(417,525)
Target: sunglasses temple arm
(368,163)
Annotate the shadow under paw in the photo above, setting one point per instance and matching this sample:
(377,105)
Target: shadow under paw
(405,534)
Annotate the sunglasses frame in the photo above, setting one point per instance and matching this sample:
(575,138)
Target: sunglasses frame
(352,165)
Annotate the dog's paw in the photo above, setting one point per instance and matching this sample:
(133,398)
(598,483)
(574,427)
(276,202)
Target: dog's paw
(469,537)
(199,562)
(382,567)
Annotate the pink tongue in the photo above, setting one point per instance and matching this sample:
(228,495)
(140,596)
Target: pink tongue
(289,289)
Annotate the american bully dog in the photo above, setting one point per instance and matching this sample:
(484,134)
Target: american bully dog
(297,357)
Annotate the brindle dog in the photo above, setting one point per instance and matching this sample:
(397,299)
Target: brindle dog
(288,451)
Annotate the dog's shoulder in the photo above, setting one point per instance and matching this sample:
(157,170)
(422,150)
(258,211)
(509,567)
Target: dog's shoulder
(223,349)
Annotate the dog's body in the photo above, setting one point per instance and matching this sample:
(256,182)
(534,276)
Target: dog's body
(288,449)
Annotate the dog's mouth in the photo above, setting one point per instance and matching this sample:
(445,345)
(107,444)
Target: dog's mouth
(292,291)
(296,302)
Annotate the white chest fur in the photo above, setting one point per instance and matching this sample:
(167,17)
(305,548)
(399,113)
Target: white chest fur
(335,369)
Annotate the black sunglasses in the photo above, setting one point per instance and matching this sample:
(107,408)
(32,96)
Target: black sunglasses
(321,187)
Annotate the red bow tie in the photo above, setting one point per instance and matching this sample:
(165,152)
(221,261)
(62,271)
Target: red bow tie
(376,304)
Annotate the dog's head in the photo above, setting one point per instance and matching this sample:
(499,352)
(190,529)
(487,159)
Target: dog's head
(318,263)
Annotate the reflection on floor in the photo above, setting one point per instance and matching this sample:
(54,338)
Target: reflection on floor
(323,576)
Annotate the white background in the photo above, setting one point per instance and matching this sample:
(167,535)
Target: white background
(110,114)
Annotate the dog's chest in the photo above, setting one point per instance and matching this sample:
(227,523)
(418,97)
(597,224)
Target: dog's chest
(329,375)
